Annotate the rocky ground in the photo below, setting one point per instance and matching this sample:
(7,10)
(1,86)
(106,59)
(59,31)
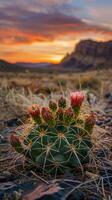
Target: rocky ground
(18,182)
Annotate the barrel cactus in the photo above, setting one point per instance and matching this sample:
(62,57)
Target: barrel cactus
(60,139)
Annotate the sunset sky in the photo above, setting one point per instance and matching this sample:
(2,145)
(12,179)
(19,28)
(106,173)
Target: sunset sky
(45,30)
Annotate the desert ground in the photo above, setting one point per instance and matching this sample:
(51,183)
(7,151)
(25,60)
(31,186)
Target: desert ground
(19,180)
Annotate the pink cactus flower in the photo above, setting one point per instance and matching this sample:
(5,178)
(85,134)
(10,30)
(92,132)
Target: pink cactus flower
(76,99)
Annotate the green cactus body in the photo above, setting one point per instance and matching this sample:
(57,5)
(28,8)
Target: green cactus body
(59,146)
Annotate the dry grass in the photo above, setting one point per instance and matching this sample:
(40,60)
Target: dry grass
(17,91)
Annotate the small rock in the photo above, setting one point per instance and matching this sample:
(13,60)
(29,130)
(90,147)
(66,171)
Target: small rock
(13,122)
(107,95)
(108,120)
(99,123)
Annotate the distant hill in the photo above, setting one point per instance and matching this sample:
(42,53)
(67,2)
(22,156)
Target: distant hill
(7,67)
(89,54)
(21,67)
(34,65)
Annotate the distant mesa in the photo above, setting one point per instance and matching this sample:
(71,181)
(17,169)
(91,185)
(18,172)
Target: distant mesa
(89,54)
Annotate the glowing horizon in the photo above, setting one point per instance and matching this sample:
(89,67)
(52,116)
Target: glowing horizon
(34,31)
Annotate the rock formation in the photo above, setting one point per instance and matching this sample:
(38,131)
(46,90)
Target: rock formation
(90,54)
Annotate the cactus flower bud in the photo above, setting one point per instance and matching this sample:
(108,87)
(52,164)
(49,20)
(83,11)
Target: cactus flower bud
(68,115)
(60,114)
(89,123)
(76,101)
(14,139)
(16,143)
(47,116)
(53,106)
(62,102)
(34,111)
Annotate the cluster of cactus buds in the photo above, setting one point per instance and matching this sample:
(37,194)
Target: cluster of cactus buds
(60,139)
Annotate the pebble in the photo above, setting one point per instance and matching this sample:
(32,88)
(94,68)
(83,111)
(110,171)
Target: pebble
(108,120)
(99,123)
(107,95)
(13,122)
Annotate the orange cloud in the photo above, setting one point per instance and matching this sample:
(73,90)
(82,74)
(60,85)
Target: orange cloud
(21,28)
